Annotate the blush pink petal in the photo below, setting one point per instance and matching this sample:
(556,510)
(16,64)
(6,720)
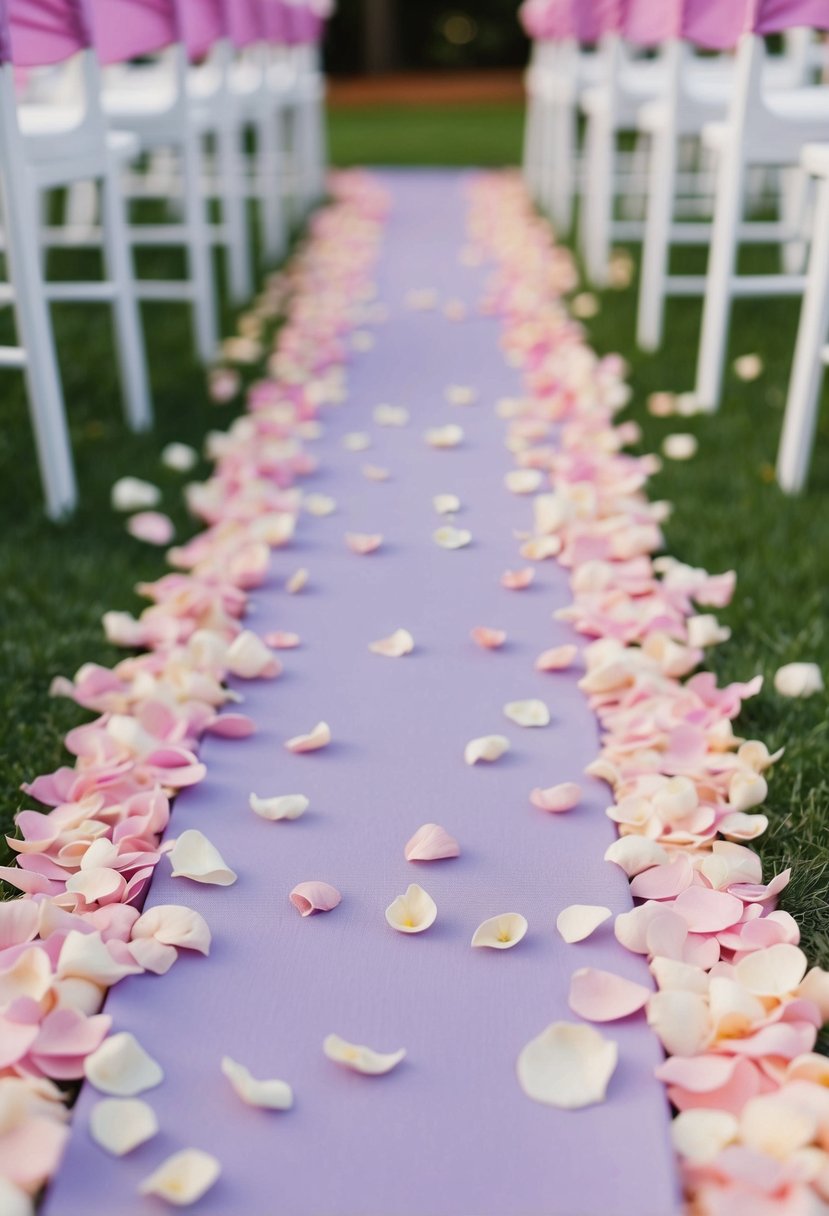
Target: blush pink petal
(517,580)
(280,640)
(318,738)
(557,798)
(707,911)
(559,658)
(363,543)
(431,843)
(152,527)
(310,897)
(601,996)
(489,639)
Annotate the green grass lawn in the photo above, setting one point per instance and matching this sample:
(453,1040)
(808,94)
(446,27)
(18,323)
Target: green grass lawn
(56,581)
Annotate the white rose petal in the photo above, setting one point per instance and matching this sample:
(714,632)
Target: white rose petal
(577,922)
(183,1178)
(395,646)
(452,538)
(680,446)
(798,680)
(487,747)
(360,1059)
(391,415)
(284,806)
(528,713)
(413,912)
(180,457)
(567,1066)
(121,1066)
(446,504)
(271,1095)
(194,857)
(449,436)
(500,932)
(133,494)
(120,1124)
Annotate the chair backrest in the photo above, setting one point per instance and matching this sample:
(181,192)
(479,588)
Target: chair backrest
(775,16)
(202,24)
(593,19)
(36,33)
(649,24)
(244,22)
(124,29)
(547,20)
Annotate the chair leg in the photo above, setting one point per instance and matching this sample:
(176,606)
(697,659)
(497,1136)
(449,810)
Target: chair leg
(793,204)
(800,420)
(597,196)
(656,244)
(54,453)
(270,175)
(199,252)
(722,257)
(120,270)
(563,143)
(234,211)
(81,206)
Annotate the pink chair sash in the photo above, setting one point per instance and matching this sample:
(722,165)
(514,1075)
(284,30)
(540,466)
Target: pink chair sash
(35,33)
(202,25)
(243,19)
(547,20)
(594,18)
(649,24)
(774,16)
(304,25)
(123,29)
(275,21)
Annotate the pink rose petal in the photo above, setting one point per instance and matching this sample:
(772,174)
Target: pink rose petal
(601,996)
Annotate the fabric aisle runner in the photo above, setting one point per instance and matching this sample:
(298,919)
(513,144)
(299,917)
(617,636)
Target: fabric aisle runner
(450,1132)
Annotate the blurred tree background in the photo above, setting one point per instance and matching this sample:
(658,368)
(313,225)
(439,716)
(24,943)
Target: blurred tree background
(374,36)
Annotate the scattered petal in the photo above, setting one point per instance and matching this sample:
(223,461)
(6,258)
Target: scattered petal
(319,737)
(489,639)
(680,446)
(460,394)
(452,538)
(151,527)
(395,646)
(584,306)
(567,1066)
(194,857)
(528,713)
(360,1059)
(250,658)
(284,806)
(559,658)
(310,897)
(183,1178)
(120,1124)
(280,640)
(601,996)
(524,481)
(556,798)
(449,436)
(375,472)
(412,912)
(319,504)
(122,1067)
(363,543)
(391,415)
(356,441)
(133,494)
(297,581)
(517,580)
(500,932)
(431,843)
(798,680)
(487,747)
(446,504)
(579,921)
(270,1095)
(748,367)
(180,457)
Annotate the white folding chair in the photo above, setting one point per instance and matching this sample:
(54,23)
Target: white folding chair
(763,128)
(44,147)
(811,353)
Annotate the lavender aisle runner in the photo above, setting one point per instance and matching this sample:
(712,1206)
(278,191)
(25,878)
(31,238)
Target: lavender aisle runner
(449,1132)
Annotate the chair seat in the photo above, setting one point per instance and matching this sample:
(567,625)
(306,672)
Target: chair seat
(801,105)
(41,121)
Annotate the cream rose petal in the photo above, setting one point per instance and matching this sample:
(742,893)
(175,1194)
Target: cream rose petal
(449,436)
(173,925)
(487,747)
(121,1066)
(356,441)
(701,1135)
(391,415)
(578,921)
(183,1178)
(528,713)
(748,367)
(179,456)
(558,658)
(460,394)
(446,504)
(773,972)
(120,1124)
(318,738)
(361,1059)
(271,1095)
(488,639)
(133,494)
(523,481)
(680,446)
(283,806)
(194,857)
(798,680)
(517,580)
(567,1066)
(363,543)
(297,581)
(319,505)
(452,538)
(375,472)
(395,646)
(500,932)
(413,912)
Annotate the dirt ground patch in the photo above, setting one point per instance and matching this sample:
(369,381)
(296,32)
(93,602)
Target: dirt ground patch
(426,88)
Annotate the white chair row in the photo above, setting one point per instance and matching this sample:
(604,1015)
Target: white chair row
(219,68)
(748,117)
